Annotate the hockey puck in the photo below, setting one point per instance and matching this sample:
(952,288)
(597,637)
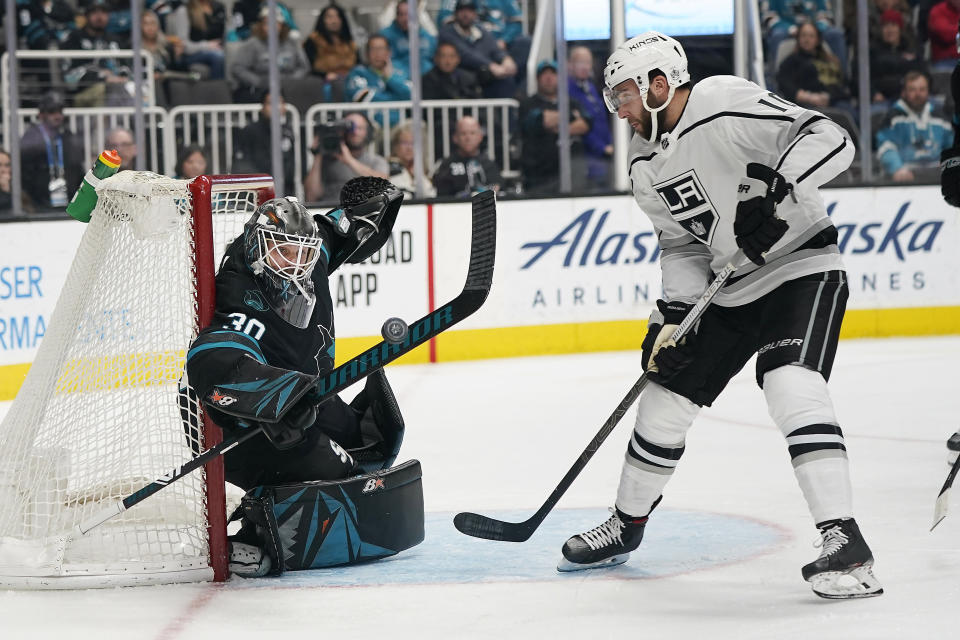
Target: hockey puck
(394,330)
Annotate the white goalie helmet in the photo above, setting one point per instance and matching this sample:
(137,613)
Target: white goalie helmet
(634,60)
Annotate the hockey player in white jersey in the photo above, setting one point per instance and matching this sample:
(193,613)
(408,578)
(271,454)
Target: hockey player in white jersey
(720,166)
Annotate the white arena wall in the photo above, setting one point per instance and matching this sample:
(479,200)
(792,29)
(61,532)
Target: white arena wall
(575,274)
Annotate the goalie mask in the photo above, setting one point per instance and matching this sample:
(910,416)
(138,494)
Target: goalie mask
(364,220)
(281,247)
(634,60)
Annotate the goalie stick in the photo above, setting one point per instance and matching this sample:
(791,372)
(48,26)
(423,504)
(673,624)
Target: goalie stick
(483,242)
(943,498)
(480,526)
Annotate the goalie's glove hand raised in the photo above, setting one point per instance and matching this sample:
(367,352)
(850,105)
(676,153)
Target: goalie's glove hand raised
(950,175)
(757,227)
(663,358)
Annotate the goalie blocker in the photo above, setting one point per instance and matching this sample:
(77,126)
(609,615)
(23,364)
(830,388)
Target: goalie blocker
(312,525)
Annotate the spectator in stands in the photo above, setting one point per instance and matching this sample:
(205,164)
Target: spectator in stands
(6,197)
(330,170)
(504,20)
(398,37)
(6,188)
(331,51)
(467,170)
(44,24)
(50,156)
(378,80)
(250,70)
(200,26)
(781,19)
(911,138)
(96,81)
(122,140)
(811,76)
(539,129)
(480,53)
(598,142)
(401,164)
(167,51)
(192,161)
(6,200)
(246,13)
(942,28)
(447,80)
(890,59)
(910,33)
(252,148)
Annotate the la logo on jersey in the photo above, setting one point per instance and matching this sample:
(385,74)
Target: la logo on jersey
(689,204)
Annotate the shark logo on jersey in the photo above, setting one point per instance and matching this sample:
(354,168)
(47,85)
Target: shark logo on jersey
(254,300)
(689,204)
(327,349)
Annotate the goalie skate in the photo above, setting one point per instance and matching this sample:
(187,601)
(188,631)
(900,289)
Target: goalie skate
(844,568)
(248,561)
(607,545)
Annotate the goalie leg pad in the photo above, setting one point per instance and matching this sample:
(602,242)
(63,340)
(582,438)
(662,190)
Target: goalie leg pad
(311,525)
(381,424)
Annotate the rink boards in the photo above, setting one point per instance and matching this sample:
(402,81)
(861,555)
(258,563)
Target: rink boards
(572,275)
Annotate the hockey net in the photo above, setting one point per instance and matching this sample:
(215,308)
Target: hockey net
(100,413)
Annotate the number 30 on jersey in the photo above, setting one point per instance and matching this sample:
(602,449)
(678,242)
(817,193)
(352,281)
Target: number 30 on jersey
(250,326)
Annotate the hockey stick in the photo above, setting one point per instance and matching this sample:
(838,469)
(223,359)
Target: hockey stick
(943,499)
(483,243)
(479,526)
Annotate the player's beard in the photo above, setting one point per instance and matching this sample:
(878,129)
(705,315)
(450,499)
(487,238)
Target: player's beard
(646,120)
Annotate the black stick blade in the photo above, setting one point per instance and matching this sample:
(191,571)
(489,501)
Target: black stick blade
(478,526)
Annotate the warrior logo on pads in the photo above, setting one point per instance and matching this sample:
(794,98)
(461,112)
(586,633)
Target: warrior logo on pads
(689,205)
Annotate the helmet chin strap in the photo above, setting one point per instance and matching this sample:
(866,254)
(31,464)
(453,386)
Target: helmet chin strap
(653,112)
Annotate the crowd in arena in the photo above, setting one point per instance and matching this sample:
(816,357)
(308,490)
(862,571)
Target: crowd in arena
(213,52)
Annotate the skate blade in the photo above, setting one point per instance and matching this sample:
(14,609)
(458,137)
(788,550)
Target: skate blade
(859,582)
(565,565)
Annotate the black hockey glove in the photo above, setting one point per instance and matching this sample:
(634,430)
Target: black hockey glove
(950,175)
(288,431)
(668,358)
(757,227)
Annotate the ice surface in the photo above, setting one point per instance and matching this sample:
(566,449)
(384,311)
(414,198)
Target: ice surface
(721,559)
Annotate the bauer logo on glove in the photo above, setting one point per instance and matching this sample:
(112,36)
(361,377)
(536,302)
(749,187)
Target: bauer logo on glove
(757,227)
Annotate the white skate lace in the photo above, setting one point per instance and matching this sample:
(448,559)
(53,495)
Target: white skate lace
(606,534)
(832,540)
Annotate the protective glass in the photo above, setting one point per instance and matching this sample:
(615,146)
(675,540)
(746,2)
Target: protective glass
(616,98)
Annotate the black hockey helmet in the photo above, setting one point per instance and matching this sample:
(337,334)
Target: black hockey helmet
(281,246)
(364,220)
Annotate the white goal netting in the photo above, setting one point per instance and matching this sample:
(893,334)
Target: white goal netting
(99,414)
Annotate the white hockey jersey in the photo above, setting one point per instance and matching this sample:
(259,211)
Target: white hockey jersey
(687,183)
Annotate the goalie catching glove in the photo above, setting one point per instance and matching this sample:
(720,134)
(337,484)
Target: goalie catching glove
(757,227)
(663,358)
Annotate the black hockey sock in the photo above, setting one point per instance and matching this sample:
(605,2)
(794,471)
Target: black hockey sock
(628,519)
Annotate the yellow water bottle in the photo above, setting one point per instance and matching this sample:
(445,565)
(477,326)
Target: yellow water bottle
(85,199)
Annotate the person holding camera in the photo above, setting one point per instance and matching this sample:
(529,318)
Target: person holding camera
(252,145)
(341,152)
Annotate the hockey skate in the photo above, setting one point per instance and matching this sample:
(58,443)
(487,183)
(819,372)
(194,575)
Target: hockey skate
(844,568)
(953,448)
(608,545)
(248,561)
